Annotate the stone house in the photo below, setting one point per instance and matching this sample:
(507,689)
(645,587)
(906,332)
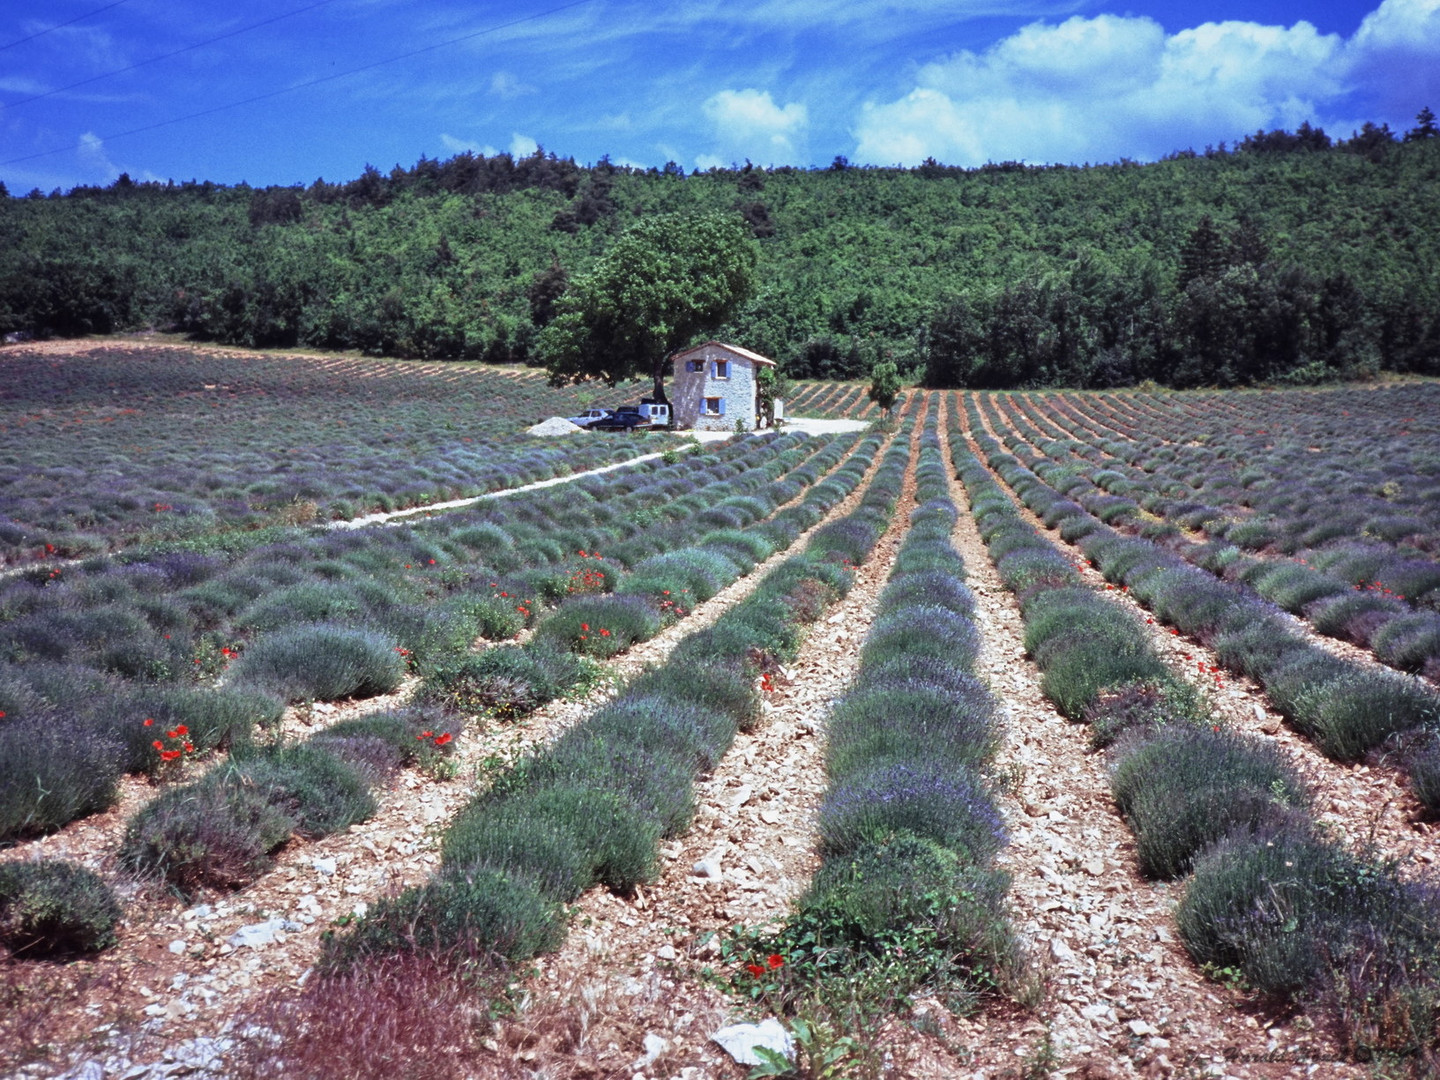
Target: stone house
(715,387)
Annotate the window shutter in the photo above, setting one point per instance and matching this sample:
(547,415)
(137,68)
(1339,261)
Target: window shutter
(722,406)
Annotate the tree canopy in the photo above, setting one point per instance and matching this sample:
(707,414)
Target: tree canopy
(1320,260)
(885,384)
(665,281)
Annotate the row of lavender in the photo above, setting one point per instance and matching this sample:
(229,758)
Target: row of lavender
(1400,636)
(593,807)
(1270,895)
(115,446)
(1366,593)
(89,656)
(221,831)
(1330,467)
(1347,708)
(908,900)
(1293,451)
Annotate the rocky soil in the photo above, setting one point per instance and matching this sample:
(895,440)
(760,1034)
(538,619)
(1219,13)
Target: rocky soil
(633,994)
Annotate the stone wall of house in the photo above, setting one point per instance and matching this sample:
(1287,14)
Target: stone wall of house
(736,394)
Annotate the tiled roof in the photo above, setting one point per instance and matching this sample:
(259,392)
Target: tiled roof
(754,357)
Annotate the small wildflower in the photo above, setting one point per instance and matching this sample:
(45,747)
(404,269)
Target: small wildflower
(441,740)
(755,969)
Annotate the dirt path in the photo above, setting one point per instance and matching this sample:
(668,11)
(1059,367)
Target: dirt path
(1370,808)
(631,970)
(174,965)
(1123,997)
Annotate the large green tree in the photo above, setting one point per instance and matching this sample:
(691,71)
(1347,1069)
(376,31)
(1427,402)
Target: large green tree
(665,281)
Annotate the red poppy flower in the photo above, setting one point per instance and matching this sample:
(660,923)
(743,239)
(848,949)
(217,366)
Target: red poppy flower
(443,739)
(149,721)
(604,633)
(189,748)
(585,626)
(755,969)
(169,755)
(158,745)
(775,960)
(180,730)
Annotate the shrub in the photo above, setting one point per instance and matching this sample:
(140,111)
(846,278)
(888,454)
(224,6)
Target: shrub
(322,663)
(208,834)
(55,908)
(507,680)
(1078,669)
(1143,704)
(1292,587)
(215,719)
(398,1018)
(53,771)
(563,836)
(660,721)
(1292,911)
(401,730)
(923,630)
(935,801)
(909,890)
(702,573)
(912,720)
(309,602)
(1409,642)
(1423,765)
(1342,616)
(601,626)
(473,913)
(315,790)
(718,685)
(1185,787)
(656,782)
(1348,711)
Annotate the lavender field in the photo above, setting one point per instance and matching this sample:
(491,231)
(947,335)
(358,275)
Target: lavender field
(108,445)
(1057,727)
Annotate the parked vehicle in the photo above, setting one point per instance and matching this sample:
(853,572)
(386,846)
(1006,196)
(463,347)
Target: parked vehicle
(589,417)
(621,419)
(648,414)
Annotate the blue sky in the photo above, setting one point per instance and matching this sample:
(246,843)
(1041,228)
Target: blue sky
(699,82)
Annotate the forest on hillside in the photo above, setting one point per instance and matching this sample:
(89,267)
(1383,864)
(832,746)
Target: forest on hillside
(1290,257)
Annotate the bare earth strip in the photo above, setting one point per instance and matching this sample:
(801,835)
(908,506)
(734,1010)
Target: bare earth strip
(1370,808)
(1123,997)
(196,990)
(631,968)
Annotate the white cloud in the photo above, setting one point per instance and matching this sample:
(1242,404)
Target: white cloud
(91,151)
(522,145)
(459,146)
(1105,87)
(748,123)
(1394,56)
(507,87)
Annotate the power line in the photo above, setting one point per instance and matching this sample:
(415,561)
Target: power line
(167,56)
(313,82)
(58,26)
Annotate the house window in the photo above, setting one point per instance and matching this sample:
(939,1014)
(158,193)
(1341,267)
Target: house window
(722,369)
(714,406)
(694,365)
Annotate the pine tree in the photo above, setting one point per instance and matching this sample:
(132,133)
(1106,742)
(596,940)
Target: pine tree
(1204,255)
(1424,126)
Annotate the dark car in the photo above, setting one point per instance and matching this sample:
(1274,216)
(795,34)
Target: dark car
(622,419)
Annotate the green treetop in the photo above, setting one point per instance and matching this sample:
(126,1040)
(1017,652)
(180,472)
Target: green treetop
(667,280)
